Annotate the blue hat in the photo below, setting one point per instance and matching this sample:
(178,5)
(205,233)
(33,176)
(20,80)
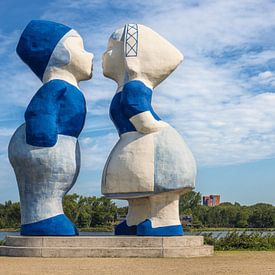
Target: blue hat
(37,43)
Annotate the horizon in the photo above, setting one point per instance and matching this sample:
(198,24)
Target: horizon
(222,94)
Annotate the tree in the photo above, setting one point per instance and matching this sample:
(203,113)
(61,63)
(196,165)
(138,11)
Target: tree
(263,216)
(70,206)
(189,201)
(90,211)
(10,214)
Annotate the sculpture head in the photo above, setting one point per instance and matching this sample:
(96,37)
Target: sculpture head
(45,46)
(138,52)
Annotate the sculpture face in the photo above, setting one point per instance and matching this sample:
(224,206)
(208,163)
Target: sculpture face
(81,61)
(138,52)
(113,63)
(47,46)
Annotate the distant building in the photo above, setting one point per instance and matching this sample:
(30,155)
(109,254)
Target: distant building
(211,200)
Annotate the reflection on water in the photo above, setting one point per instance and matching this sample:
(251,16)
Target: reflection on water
(220,234)
(4,234)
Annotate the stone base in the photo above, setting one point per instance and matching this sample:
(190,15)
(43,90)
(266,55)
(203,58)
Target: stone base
(105,246)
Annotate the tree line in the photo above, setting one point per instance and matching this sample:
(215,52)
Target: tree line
(260,215)
(87,212)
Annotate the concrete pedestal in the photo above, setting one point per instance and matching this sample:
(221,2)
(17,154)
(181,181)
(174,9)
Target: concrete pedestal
(105,246)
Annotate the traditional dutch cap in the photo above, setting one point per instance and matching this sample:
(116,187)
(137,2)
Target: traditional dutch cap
(148,54)
(37,43)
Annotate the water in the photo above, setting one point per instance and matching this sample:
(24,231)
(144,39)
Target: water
(4,234)
(220,234)
(215,234)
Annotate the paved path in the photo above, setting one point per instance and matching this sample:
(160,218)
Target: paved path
(221,263)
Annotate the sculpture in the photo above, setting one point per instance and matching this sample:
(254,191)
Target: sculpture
(150,166)
(44,151)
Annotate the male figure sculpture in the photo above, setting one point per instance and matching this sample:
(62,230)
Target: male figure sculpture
(44,151)
(150,166)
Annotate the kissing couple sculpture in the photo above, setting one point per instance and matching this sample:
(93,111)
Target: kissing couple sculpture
(150,165)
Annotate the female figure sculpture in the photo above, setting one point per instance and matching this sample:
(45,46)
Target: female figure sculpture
(44,151)
(150,166)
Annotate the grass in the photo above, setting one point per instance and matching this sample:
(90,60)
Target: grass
(2,242)
(107,228)
(9,229)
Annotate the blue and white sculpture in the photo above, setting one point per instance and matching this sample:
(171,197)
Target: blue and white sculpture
(44,151)
(151,165)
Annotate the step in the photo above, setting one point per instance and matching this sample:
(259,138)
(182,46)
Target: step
(104,241)
(105,246)
(112,252)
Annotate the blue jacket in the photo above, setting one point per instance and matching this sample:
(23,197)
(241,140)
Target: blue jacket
(134,99)
(57,108)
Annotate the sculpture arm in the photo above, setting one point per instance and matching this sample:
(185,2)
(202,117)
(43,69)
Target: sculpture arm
(136,103)
(42,118)
(145,123)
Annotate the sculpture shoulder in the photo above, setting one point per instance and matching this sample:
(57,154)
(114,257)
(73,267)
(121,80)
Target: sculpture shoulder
(137,87)
(135,92)
(51,90)
(73,93)
(135,98)
(54,91)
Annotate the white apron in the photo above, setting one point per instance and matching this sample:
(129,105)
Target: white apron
(44,174)
(146,164)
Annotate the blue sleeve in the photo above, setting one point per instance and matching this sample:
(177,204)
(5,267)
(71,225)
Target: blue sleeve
(136,98)
(41,116)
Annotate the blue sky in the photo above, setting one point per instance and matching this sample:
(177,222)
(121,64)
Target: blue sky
(221,98)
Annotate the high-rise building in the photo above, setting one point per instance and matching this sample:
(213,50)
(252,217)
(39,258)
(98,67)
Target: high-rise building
(211,200)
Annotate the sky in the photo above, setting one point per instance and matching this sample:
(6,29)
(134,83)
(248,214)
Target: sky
(221,99)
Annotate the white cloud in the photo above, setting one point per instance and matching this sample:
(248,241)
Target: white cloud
(7,41)
(210,98)
(6,132)
(265,75)
(95,151)
(8,188)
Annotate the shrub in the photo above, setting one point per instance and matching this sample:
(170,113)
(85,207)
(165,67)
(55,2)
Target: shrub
(2,242)
(243,241)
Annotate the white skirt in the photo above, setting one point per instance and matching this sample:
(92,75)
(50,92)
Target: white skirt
(44,174)
(146,164)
